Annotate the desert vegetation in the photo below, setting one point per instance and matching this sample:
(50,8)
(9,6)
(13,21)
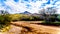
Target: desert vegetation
(4,21)
(44,18)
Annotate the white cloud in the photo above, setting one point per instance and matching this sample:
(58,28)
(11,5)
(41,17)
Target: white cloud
(2,8)
(58,11)
(34,8)
(21,6)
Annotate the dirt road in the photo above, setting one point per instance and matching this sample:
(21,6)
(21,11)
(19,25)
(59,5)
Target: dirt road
(37,29)
(29,28)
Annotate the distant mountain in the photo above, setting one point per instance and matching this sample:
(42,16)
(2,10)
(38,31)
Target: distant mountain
(26,12)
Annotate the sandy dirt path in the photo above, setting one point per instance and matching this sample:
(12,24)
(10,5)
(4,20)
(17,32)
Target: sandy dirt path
(38,28)
(29,28)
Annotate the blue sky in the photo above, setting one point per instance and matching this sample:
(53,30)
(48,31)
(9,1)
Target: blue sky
(33,6)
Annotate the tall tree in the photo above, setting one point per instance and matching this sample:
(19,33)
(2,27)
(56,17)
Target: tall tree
(49,13)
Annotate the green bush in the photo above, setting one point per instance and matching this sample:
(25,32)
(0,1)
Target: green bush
(5,19)
(30,18)
(15,17)
(25,18)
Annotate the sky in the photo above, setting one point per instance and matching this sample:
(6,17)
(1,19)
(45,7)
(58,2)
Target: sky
(32,6)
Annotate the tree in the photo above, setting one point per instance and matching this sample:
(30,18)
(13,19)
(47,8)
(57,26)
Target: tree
(48,10)
(5,18)
(2,12)
(49,14)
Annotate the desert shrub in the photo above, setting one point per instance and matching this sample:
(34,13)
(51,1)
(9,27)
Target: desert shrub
(34,18)
(37,18)
(52,23)
(5,19)
(30,18)
(25,18)
(51,18)
(58,18)
(15,17)
(22,17)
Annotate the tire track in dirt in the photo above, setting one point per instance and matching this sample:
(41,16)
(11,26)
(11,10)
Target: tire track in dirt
(38,28)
